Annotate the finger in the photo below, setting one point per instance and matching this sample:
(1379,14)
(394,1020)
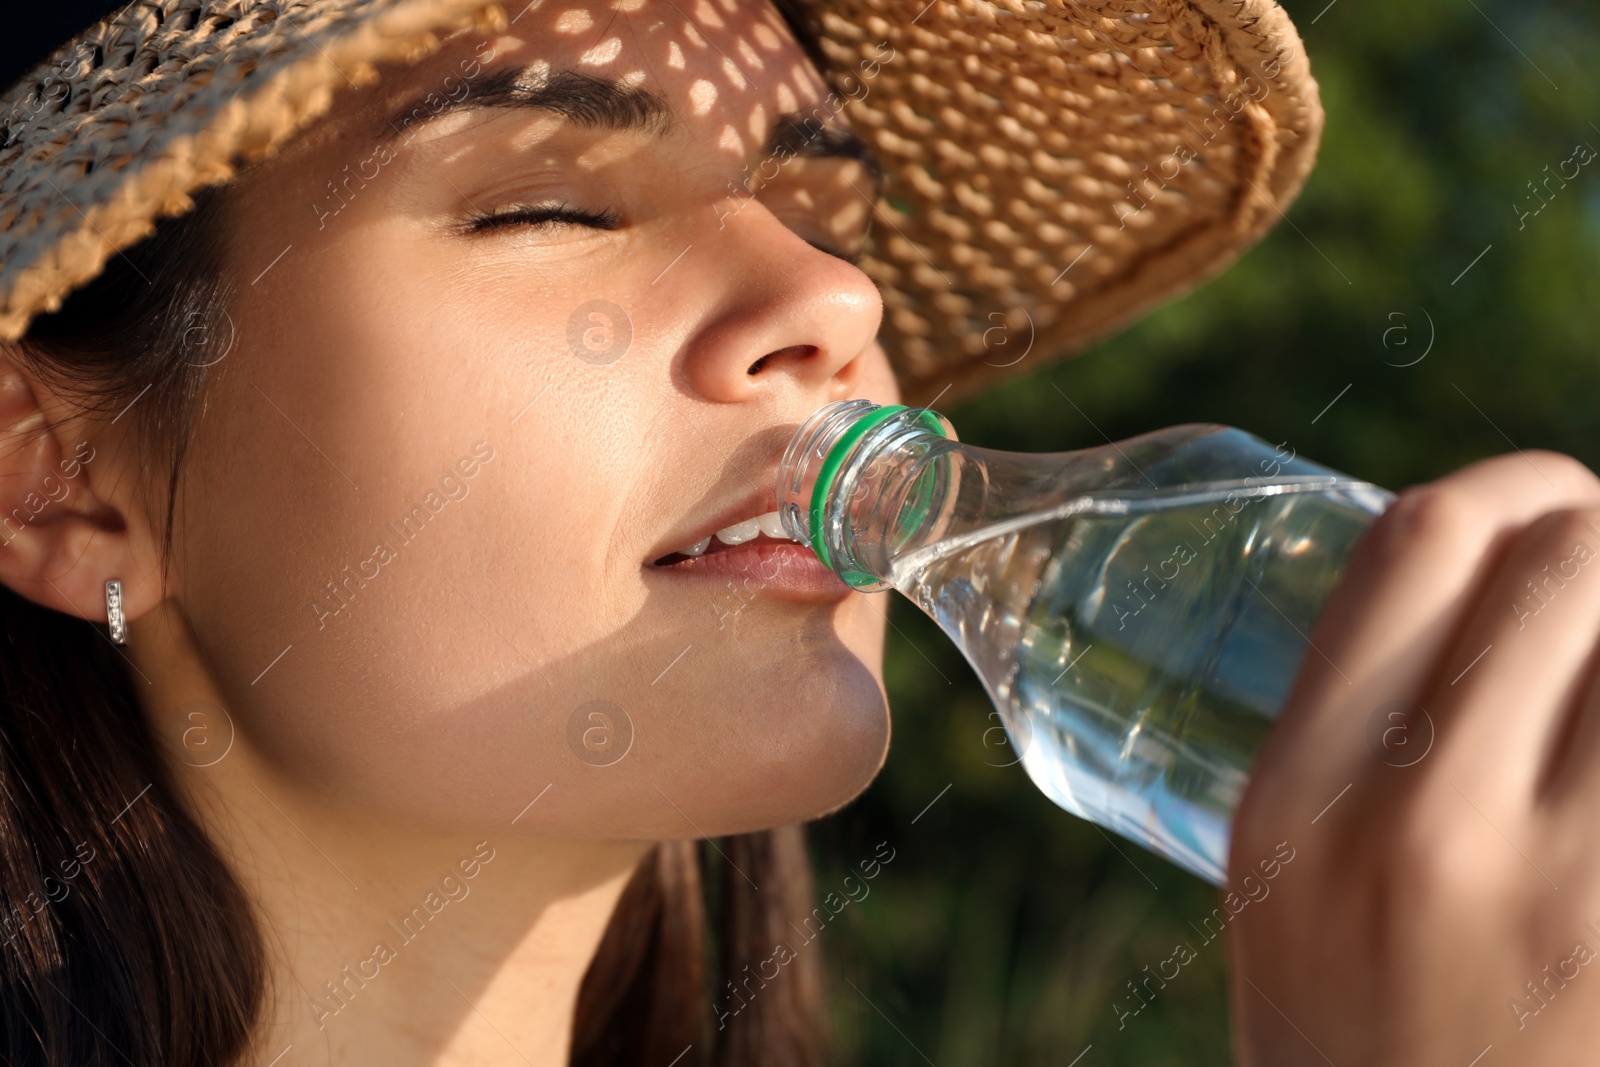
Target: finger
(1572,767)
(1511,681)
(1388,623)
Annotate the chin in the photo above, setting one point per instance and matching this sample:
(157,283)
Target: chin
(812,741)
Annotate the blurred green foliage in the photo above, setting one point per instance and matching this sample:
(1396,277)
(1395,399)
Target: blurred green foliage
(1005,930)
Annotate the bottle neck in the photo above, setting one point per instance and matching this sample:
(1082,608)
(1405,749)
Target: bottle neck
(867,486)
(857,484)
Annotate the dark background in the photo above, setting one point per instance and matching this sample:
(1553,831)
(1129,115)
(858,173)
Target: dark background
(1003,929)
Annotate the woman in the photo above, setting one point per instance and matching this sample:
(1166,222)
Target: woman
(408,446)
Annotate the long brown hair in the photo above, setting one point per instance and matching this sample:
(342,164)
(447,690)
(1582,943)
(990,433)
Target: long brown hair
(124,936)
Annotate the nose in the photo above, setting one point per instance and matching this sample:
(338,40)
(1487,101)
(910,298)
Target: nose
(787,318)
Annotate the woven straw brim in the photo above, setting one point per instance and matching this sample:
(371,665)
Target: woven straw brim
(1054,168)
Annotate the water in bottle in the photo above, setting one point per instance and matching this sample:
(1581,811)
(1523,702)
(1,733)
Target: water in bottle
(1137,612)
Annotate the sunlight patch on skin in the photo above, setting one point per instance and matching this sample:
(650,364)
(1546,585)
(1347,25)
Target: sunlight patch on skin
(675,59)
(766,37)
(805,75)
(606,153)
(456,155)
(704,12)
(694,35)
(758,122)
(702,97)
(536,133)
(602,53)
(574,22)
(748,53)
(735,75)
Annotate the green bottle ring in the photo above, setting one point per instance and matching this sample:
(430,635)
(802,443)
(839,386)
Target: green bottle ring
(830,469)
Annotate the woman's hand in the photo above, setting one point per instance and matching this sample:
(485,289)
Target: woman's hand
(1437,773)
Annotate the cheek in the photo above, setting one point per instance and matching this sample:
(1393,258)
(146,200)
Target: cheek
(410,613)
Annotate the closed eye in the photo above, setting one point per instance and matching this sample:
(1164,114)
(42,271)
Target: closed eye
(541,216)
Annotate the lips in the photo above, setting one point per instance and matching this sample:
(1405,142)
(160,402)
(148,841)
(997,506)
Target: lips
(757,565)
(766,526)
(715,545)
(761,500)
(760,567)
(745,559)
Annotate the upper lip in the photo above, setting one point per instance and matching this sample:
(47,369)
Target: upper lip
(757,501)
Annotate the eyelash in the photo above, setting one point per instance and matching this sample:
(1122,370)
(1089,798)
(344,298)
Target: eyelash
(543,215)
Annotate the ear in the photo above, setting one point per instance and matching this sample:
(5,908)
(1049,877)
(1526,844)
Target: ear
(70,516)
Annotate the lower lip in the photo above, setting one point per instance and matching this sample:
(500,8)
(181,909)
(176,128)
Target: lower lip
(781,571)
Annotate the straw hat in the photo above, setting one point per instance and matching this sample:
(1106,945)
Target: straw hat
(1054,167)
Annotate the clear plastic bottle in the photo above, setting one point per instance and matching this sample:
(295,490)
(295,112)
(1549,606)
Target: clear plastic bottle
(1137,612)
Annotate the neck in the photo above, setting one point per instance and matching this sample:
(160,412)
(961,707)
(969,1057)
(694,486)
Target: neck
(389,942)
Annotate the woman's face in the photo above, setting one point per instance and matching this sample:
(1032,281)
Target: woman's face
(417,535)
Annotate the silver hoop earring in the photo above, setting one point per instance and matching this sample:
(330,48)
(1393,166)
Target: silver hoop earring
(118,624)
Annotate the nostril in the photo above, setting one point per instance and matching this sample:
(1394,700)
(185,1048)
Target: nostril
(799,351)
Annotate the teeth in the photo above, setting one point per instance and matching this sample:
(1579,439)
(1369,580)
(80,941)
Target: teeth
(740,532)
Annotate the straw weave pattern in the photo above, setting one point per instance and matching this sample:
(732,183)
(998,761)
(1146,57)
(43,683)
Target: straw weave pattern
(1040,195)
(121,124)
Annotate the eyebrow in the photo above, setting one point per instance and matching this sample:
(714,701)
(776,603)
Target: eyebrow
(580,98)
(601,104)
